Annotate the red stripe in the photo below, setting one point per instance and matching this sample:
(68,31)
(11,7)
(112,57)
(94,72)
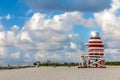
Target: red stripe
(95,38)
(96,54)
(96,45)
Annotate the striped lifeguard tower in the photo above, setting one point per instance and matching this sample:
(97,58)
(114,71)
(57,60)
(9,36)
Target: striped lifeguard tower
(95,56)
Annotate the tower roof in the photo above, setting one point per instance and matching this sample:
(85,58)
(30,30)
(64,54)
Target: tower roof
(94,34)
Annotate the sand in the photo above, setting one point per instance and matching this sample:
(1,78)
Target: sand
(61,73)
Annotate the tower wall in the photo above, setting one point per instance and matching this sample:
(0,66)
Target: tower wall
(95,47)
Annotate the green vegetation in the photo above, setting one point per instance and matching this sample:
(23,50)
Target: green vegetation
(49,63)
(112,63)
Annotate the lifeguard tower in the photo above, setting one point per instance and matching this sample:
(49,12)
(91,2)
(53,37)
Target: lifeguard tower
(95,53)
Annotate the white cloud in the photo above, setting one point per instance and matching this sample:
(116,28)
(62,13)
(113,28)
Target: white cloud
(10,38)
(40,56)
(115,6)
(55,56)
(74,56)
(15,55)
(110,25)
(15,28)
(2,51)
(28,57)
(2,38)
(1,27)
(109,21)
(41,34)
(29,11)
(73,45)
(46,32)
(7,38)
(58,22)
(112,54)
(8,17)
(113,44)
(70,35)
(25,36)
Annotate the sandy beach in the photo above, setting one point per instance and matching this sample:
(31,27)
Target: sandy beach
(61,73)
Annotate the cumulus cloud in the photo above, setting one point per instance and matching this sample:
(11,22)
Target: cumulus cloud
(2,38)
(40,56)
(109,21)
(7,38)
(74,56)
(8,17)
(15,28)
(69,5)
(15,55)
(55,56)
(73,45)
(46,32)
(43,56)
(59,22)
(110,26)
(112,54)
(2,51)
(25,36)
(48,35)
(113,44)
(1,27)
(29,11)
(28,57)
(44,38)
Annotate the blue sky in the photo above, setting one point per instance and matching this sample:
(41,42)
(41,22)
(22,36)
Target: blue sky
(56,30)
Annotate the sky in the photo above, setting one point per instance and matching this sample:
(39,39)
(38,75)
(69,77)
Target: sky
(56,30)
